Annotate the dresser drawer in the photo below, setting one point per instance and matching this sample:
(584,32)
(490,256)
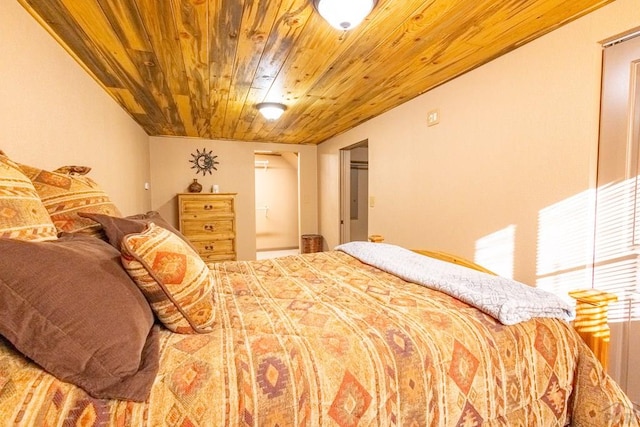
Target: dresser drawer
(214,247)
(200,208)
(207,229)
(218,257)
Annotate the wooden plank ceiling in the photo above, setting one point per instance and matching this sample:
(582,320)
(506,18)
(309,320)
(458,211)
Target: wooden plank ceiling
(198,67)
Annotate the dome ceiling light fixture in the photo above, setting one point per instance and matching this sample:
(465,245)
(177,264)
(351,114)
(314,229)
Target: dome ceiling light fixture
(344,14)
(271,110)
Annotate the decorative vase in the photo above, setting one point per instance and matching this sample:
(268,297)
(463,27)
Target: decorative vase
(195,186)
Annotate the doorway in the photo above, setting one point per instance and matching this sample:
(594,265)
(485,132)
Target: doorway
(354,192)
(276,201)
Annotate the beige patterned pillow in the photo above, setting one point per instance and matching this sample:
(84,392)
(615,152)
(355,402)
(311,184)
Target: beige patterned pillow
(22,214)
(175,280)
(64,195)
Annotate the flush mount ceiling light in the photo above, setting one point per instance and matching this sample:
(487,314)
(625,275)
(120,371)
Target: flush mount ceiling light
(344,15)
(271,110)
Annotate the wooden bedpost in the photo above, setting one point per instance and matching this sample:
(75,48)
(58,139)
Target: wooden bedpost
(376,238)
(591,321)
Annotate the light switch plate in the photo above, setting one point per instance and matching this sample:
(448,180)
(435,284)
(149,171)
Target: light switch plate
(433,117)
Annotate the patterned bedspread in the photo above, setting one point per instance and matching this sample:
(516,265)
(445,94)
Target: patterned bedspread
(322,339)
(504,299)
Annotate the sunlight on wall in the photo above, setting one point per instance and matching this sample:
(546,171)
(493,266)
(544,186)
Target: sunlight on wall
(496,251)
(565,242)
(574,255)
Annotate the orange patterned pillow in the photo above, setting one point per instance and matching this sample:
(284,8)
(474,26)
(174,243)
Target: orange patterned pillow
(22,214)
(64,195)
(175,280)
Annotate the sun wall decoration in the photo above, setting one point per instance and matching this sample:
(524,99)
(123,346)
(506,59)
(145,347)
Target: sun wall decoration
(203,161)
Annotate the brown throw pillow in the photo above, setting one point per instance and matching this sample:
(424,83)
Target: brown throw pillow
(73,170)
(115,228)
(173,277)
(22,214)
(70,307)
(65,195)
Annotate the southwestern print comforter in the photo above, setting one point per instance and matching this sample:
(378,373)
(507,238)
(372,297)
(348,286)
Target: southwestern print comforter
(324,340)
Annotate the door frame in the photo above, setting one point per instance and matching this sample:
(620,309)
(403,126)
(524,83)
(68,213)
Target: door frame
(259,210)
(345,190)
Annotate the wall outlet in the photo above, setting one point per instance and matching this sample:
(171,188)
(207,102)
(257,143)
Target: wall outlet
(372,201)
(433,117)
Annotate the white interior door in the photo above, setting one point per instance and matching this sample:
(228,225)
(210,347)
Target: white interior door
(617,234)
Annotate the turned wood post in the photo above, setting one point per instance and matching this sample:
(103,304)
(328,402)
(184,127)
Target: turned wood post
(591,321)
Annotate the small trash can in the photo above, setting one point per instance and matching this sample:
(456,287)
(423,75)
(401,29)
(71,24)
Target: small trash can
(311,243)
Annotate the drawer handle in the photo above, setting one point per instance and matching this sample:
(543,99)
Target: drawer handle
(208,207)
(209,247)
(209,227)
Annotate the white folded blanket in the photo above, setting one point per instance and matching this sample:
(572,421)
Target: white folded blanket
(506,300)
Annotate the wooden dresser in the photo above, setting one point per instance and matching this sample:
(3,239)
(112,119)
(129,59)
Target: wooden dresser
(209,221)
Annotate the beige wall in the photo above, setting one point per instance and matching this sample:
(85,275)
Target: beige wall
(515,136)
(171,174)
(276,187)
(53,114)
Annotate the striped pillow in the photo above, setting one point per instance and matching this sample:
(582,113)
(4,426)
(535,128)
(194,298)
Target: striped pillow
(64,195)
(173,278)
(22,214)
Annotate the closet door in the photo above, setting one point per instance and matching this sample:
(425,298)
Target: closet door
(617,232)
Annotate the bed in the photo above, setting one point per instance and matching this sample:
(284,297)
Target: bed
(307,340)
